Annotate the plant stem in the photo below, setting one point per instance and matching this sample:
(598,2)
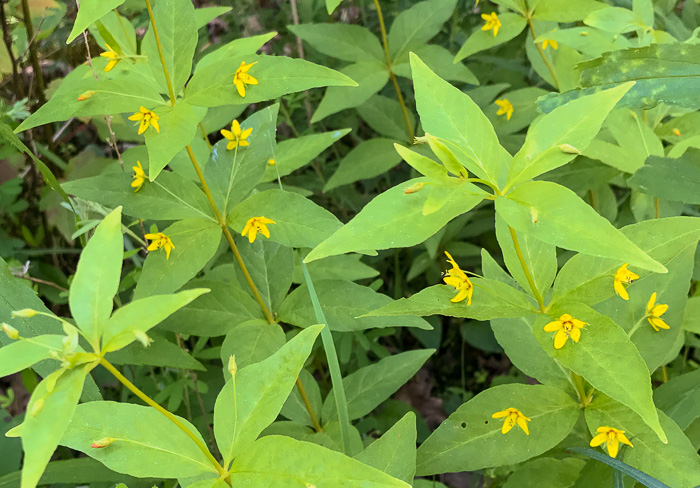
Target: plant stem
(528,275)
(205,136)
(134,389)
(385,43)
(585,399)
(33,55)
(541,51)
(307,404)
(7,38)
(171,93)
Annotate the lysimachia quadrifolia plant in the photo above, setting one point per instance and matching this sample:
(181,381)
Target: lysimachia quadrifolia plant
(590,333)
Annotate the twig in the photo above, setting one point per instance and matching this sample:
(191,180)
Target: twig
(43,282)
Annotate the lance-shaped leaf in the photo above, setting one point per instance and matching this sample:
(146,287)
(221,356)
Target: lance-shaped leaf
(238,47)
(89,12)
(556,215)
(678,397)
(395,451)
(479,40)
(276,75)
(24,353)
(415,26)
(253,398)
(556,11)
(605,357)
(546,471)
(369,159)
(670,179)
(343,41)
(470,439)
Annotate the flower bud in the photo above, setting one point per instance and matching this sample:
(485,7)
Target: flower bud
(569,149)
(26,313)
(142,337)
(104,442)
(414,188)
(11,332)
(271,162)
(232,366)
(676,132)
(86,96)
(37,407)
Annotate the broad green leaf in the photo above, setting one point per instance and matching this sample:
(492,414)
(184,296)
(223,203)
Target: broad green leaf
(423,164)
(369,159)
(441,61)
(282,462)
(178,126)
(368,387)
(177,31)
(277,76)
(170,197)
(370,76)
(395,451)
(295,408)
(480,40)
(343,41)
(331,5)
(546,471)
(299,222)
(636,139)
(97,277)
(415,26)
(670,179)
(24,353)
(293,154)
(395,219)
(235,48)
(603,352)
(470,439)
(215,313)
(89,12)
(254,397)
(142,315)
(202,16)
(50,410)
(147,444)
(556,11)
(675,463)
(524,111)
(160,352)
(344,304)
(384,115)
(616,20)
(347,267)
(491,299)
(447,113)
(691,317)
(557,138)
(556,215)
(194,243)
(114,30)
(679,397)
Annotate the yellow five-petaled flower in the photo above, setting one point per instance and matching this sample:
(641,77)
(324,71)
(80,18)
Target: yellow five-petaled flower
(566,327)
(654,313)
(113,57)
(459,279)
(612,438)
(146,117)
(139,176)
(623,275)
(236,136)
(255,225)
(242,78)
(512,416)
(159,240)
(492,22)
(506,107)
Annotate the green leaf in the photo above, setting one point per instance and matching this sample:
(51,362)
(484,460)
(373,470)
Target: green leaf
(369,159)
(295,408)
(177,31)
(555,139)
(280,461)
(97,277)
(202,16)
(394,219)
(603,351)
(89,12)
(385,116)
(251,342)
(299,222)
(670,179)
(370,76)
(423,164)
(277,76)
(170,197)
(616,20)
(347,267)
(194,243)
(24,353)
(470,439)
(441,61)
(146,444)
(368,387)
(344,304)
(480,40)
(679,397)
(491,299)
(343,41)
(556,215)
(293,154)
(254,397)
(621,467)
(546,471)
(235,48)
(449,114)
(415,26)
(112,29)
(41,432)
(160,352)
(142,315)
(395,451)
(556,11)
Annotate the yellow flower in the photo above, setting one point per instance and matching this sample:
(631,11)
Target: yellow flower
(113,57)
(512,416)
(612,438)
(492,22)
(459,279)
(271,162)
(550,42)
(623,275)
(566,327)
(139,176)
(236,135)
(145,118)
(255,225)
(506,108)
(654,313)
(242,78)
(159,240)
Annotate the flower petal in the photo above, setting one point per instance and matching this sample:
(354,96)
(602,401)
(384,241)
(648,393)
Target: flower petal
(560,339)
(522,423)
(553,326)
(621,290)
(599,439)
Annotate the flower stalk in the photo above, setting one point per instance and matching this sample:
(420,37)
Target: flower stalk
(528,275)
(541,51)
